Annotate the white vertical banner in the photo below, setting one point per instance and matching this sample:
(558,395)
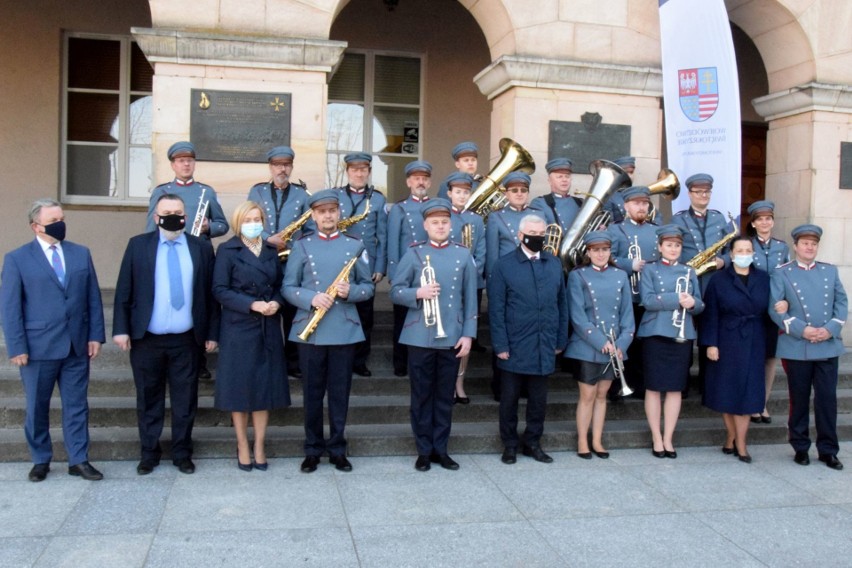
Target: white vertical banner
(702,98)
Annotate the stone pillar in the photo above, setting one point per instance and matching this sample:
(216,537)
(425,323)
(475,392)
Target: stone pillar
(185,60)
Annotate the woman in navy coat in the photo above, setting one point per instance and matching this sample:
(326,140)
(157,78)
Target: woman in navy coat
(733,329)
(252,374)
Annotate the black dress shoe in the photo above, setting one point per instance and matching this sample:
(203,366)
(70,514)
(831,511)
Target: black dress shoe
(584,455)
(745,458)
(86,471)
(802,458)
(447,462)
(729,451)
(146,466)
(510,456)
(537,454)
(831,461)
(204,373)
(422,463)
(185,465)
(602,455)
(657,454)
(670,454)
(399,372)
(294,372)
(260,466)
(39,472)
(766,419)
(310,463)
(340,463)
(461,399)
(755,420)
(244,466)
(362,371)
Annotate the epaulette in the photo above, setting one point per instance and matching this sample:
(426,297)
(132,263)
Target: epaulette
(309,233)
(348,236)
(416,243)
(714,211)
(788,263)
(260,183)
(681,213)
(299,185)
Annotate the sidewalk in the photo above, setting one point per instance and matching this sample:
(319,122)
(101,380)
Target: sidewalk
(702,509)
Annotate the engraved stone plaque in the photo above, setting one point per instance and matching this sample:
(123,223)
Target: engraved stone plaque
(237,126)
(586,141)
(846,165)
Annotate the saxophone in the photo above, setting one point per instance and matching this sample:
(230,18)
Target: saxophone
(705,261)
(287,234)
(344,224)
(319,313)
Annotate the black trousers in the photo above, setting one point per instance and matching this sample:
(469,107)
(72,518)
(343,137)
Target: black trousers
(822,377)
(433,382)
(400,351)
(326,369)
(157,361)
(536,385)
(362,348)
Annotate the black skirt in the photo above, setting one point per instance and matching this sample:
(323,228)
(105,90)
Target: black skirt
(590,373)
(666,363)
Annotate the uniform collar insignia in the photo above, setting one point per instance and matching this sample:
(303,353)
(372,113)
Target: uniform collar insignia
(519,210)
(419,199)
(182,183)
(668,262)
(599,269)
(358,191)
(445,244)
(331,237)
(804,266)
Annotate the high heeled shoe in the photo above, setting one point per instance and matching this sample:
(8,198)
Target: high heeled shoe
(260,466)
(461,399)
(657,454)
(242,466)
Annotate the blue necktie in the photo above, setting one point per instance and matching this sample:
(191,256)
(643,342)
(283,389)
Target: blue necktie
(56,261)
(175,280)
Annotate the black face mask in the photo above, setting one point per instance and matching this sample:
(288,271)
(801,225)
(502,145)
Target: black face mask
(172,222)
(533,242)
(55,230)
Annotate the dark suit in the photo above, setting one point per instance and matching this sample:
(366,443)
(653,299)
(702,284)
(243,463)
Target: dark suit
(53,323)
(156,359)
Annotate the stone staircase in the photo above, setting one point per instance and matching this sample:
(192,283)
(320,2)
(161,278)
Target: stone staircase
(378,421)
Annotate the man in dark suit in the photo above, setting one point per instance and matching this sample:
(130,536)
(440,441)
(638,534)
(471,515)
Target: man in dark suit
(54,325)
(164,305)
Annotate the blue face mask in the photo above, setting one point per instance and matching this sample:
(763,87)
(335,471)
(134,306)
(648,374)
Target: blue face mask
(743,260)
(251,230)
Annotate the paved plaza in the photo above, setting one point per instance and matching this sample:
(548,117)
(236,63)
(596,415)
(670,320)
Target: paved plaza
(702,509)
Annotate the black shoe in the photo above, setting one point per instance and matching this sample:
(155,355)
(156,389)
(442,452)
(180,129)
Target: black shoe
(87,471)
(146,466)
(39,472)
(260,466)
(340,463)
(399,372)
(294,372)
(461,399)
(510,455)
(670,454)
(244,466)
(537,454)
(802,458)
(755,419)
(745,458)
(602,455)
(831,461)
(362,371)
(729,451)
(309,465)
(766,419)
(422,463)
(185,465)
(657,454)
(584,455)
(204,373)
(447,462)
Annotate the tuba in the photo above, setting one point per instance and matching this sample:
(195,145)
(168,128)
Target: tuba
(667,184)
(608,178)
(488,196)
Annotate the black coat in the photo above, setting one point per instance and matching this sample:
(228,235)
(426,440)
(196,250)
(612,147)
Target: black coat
(252,373)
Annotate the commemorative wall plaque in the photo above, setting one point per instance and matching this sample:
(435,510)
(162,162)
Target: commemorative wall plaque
(588,140)
(846,165)
(238,126)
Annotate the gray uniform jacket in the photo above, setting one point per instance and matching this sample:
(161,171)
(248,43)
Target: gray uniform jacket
(373,230)
(191,195)
(293,208)
(405,227)
(657,289)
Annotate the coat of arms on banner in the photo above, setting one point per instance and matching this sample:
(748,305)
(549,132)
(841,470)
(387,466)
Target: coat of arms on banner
(699,92)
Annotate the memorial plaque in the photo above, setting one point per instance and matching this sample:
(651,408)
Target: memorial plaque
(586,141)
(237,126)
(846,165)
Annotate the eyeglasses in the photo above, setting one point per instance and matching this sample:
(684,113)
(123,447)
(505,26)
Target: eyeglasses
(701,192)
(518,190)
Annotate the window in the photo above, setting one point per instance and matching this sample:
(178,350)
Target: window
(374,102)
(106,118)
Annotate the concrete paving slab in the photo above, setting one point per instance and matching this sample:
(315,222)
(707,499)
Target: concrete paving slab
(115,551)
(22,551)
(118,506)
(37,509)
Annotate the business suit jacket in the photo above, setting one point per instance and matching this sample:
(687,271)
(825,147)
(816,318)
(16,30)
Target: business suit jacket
(134,291)
(41,317)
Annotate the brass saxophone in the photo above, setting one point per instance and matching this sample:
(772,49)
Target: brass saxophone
(344,224)
(318,313)
(287,234)
(705,261)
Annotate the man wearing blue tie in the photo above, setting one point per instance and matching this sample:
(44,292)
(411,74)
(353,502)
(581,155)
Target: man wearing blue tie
(54,325)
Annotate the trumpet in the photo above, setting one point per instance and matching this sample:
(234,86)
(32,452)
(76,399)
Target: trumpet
(200,214)
(552,238)
(633,253)
(679,315)
(617,364)
(431,306)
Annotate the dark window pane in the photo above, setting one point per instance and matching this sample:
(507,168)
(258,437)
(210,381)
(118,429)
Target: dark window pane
(92,117)
(91,170)
(397,80)
(141,72)
(348,82)
(94,63)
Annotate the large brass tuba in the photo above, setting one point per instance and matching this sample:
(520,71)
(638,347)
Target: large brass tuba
(489,195)
(667,184)
(608,178)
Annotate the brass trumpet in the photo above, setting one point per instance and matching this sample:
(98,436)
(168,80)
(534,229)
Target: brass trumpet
(431,306)
(200,214)
(633,253)
(679,315)
(552,238)
(617,364)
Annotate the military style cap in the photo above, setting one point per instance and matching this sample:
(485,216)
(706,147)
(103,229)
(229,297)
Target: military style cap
(465,149)
(595,237)
(559,165)
(699,178)
(763,207)
(357,157)
(418,167)
(807,230)
(460,179)
(181,149)
(516,178)
(323,197)
(636,192)
(670,231)
(280,153)
(437,206)
(625,161)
